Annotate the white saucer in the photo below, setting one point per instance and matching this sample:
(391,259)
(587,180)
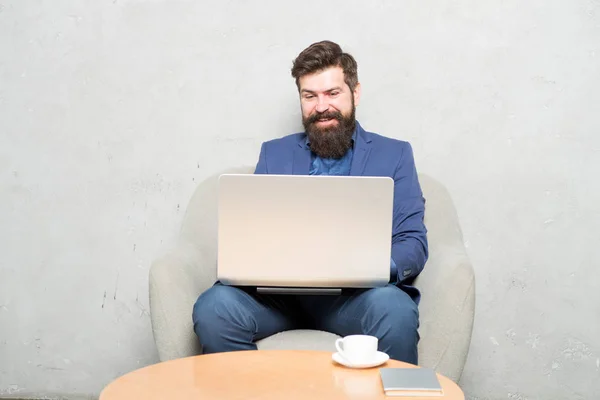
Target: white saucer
(379,359)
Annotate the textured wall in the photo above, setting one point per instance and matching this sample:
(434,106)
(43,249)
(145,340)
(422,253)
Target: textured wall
(111,110)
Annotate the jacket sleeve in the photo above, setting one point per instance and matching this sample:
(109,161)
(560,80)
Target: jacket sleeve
(261,165)
(409,234)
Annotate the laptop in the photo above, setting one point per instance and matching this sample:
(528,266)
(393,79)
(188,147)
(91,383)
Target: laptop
(304,234)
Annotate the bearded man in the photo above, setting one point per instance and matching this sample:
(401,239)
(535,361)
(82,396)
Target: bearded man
(228,318)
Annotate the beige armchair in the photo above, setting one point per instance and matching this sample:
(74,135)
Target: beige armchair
(447,285)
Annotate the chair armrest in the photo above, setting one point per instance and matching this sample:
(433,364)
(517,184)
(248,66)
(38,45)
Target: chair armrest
(175,282)
(447,309)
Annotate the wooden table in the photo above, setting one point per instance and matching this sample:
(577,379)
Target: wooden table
(259,374)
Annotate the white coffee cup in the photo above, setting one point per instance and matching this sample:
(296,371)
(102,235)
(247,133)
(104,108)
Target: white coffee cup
(357,348)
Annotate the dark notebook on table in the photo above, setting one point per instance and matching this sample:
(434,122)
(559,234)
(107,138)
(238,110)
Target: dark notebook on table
(410,382)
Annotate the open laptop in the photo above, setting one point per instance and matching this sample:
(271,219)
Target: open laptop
(304,234)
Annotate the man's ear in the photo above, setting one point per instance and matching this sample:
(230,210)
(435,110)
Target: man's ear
(356,94)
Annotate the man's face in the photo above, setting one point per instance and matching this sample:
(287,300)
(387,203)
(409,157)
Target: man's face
(328,111)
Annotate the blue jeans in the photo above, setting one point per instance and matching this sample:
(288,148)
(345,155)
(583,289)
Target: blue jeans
(228,318)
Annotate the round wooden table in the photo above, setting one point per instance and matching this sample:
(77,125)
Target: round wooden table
(259,374)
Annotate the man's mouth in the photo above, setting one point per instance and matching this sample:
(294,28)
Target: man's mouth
(325,120)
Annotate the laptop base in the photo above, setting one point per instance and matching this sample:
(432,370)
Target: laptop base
(298,290)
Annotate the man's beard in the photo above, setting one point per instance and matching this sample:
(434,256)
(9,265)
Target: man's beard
(330,141)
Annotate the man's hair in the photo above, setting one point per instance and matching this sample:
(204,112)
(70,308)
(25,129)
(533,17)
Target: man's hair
(322,55)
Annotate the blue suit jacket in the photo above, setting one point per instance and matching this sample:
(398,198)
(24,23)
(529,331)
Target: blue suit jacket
(374,155)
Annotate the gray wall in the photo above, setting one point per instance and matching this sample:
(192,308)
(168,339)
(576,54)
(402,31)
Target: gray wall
(111,111)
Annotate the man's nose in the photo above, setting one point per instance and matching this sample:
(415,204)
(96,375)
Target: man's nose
(322,105)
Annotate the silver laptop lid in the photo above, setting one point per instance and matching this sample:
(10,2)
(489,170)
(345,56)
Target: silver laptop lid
(300,231)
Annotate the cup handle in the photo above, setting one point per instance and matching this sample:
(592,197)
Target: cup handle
(339,346)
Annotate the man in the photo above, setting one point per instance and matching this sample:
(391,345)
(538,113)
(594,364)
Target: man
(228,318)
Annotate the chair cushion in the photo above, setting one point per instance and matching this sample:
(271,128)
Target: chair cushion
(299,339)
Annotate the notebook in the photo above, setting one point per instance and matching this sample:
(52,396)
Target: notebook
(414,382)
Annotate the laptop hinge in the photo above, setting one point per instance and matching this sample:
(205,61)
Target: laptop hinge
(299,290)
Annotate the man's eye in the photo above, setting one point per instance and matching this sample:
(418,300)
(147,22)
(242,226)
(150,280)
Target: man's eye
(334,93)
(308,96)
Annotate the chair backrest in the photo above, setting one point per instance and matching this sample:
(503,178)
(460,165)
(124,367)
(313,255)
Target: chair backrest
(446,283)
(199,225)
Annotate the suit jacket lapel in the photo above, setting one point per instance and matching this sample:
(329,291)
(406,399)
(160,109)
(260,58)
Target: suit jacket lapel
(362,149)
(301,163)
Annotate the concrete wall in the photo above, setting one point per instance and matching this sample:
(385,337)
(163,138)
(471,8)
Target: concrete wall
(112,110)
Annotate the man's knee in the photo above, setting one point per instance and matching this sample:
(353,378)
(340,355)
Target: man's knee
(223,319)
(215,306)
(393,305)
(394,318)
